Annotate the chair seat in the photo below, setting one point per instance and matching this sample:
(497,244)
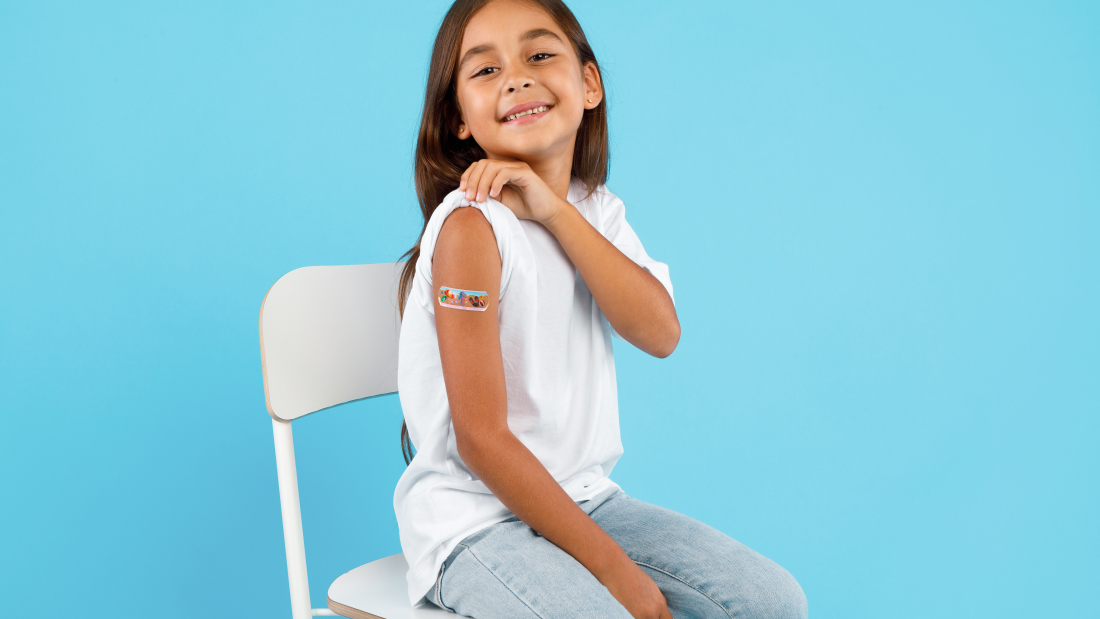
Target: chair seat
(378,590)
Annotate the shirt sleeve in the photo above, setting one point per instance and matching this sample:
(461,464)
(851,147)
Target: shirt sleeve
(503,222)
(616,229)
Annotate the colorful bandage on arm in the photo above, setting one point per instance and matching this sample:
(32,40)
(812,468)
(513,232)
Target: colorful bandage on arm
(463,299)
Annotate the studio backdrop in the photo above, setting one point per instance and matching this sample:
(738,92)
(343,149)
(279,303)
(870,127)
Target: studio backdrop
(881,224)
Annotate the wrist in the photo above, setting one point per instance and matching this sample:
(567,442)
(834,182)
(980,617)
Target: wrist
(610,564)
(560,216)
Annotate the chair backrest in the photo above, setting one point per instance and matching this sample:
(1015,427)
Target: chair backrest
(328,335)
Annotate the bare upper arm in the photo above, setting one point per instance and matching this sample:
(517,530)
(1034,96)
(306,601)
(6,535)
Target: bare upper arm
(466,258)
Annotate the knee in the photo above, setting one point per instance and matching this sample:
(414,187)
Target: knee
(781,598)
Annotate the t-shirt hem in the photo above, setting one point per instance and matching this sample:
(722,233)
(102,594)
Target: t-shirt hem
(422,581)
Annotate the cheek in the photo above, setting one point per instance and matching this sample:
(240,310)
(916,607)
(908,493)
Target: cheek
(571,94)
(487,116)
(572,108)
(482,103)
(484,117)
(475,108)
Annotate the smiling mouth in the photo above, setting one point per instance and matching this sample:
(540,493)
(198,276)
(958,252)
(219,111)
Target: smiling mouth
(536,110)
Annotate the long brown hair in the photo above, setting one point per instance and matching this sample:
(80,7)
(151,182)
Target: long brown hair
(441,157)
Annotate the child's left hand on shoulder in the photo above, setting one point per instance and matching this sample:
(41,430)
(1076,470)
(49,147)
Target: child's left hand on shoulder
(515,185)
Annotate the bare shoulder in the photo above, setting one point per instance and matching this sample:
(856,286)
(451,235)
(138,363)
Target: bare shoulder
(465,221)
(466,247)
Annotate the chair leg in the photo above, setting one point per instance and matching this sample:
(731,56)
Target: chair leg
(292,520)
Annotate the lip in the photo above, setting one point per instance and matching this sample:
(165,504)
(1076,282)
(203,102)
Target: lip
(523,107)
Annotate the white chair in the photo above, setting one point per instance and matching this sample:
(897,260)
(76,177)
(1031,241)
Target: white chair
(328,335)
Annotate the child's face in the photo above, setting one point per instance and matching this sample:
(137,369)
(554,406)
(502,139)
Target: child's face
(499,70)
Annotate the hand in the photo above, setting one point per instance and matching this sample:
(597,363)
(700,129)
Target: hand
(637,592)
(515,185)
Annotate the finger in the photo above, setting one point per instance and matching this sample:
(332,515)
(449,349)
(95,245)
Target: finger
(475,172)
(486,180)
(465,177)
(502,178)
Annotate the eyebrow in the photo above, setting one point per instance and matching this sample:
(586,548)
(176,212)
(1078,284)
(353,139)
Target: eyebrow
(530,35)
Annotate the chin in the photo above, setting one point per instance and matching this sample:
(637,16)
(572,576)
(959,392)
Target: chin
(528,146)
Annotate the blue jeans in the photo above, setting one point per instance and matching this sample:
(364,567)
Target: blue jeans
(509,571)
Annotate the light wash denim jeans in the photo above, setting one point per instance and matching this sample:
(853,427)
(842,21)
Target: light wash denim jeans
(508,571)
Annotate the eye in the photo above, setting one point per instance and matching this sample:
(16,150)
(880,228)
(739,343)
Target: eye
(535,57)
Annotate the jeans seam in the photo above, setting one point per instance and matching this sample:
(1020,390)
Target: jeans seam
(510,590)
(673,576)
(439,593)
(439,585)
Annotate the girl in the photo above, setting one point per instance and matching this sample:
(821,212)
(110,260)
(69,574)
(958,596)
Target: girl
(507,509)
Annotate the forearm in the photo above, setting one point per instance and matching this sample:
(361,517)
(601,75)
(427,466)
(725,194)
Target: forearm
(521,482)
(634,302)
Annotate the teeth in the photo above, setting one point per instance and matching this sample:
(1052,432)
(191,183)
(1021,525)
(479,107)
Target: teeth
(541,108)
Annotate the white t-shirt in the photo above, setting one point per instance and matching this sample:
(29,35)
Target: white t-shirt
(558,368)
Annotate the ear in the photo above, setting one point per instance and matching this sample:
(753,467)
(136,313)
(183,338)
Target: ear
(593,85)
(458,126)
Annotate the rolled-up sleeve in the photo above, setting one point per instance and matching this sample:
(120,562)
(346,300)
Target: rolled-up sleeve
(503,222)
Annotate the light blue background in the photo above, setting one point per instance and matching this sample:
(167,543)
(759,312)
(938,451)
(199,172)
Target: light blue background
(881,223)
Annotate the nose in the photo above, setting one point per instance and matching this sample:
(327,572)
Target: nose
(518,77)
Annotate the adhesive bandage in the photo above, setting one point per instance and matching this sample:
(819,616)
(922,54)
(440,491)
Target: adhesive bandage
(454,298)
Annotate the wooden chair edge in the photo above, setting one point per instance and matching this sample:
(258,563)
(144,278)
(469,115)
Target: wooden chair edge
(348,611)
